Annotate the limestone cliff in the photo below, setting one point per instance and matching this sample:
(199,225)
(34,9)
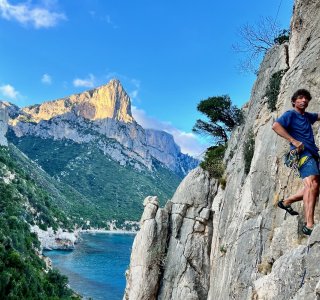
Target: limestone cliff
(171,253)
(95,116)
(107,101)
(236,244)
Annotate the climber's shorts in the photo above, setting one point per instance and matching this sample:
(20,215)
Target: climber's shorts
(310,167)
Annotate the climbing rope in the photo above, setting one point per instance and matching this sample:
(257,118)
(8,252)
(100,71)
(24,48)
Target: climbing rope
(305,269)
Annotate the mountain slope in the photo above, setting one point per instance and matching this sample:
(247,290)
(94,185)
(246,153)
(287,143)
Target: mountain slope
(73,204)
(113,192)
(23,273)
(91,143)
(95,115)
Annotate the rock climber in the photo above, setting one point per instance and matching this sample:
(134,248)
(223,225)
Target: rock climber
(295,126)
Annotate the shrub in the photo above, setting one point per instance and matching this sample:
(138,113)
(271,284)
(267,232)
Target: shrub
(213,161)
(222,115)
(223,182)
(283,37)
(248,151)
(273,89)
(223,249)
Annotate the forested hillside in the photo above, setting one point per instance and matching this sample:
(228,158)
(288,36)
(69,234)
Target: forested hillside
(23,274)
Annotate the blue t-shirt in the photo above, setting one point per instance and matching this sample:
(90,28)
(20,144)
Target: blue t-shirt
(299,127)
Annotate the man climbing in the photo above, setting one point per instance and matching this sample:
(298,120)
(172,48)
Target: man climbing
(295,126)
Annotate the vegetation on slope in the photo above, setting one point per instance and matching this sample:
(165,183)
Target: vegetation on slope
(22,272)
(75,205)
(117,191)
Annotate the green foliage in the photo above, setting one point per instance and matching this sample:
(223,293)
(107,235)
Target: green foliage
(248,151)
(223,249)
(273,89)
(283,37)
(223,182)
(222,115)
(106,190)
(213,161)
(22,274)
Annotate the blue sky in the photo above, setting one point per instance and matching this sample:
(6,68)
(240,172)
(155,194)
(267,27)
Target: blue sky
(168,55)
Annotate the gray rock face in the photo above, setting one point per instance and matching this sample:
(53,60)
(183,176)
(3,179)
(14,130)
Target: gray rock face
(295,275)
(102,115)
(187,267)
(162,146)
(3,125)
(147,257)
(181,238)
(256,250)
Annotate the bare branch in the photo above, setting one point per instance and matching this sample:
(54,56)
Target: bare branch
(255,41)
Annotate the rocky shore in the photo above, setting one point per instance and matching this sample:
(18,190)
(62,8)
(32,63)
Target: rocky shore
(51,240)
(64,240)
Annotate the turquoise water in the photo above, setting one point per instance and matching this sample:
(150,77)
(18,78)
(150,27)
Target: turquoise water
(96,268)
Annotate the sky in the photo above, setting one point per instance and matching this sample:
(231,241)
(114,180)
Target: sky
(169,54)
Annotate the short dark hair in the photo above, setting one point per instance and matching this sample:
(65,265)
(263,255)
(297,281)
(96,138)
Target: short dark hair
(299,93)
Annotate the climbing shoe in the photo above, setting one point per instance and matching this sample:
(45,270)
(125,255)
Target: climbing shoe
(287,208)
(306,230)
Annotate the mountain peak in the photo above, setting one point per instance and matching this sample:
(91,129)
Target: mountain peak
(107,101)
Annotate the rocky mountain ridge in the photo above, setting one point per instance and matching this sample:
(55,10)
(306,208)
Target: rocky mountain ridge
(107,101)
(97,116)
(211,242)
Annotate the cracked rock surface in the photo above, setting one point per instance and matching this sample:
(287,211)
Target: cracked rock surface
(171,253)
(235,243)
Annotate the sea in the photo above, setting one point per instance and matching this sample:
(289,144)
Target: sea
(96,267)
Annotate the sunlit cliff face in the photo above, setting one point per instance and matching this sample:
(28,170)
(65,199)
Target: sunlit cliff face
(107,101)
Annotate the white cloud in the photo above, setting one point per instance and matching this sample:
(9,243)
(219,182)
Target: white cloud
(133,94)
(9,91)
(107,18)
(46,79)
(103,18)
(86,82)
(25,14)
(188,142)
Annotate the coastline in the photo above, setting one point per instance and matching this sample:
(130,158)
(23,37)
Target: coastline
(62,239)
(99,260)
(117,231)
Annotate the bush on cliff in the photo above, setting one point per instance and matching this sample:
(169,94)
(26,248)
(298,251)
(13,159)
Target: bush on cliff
(282,37)
(213,161)
(273,89)
(222,118)
(248,151)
